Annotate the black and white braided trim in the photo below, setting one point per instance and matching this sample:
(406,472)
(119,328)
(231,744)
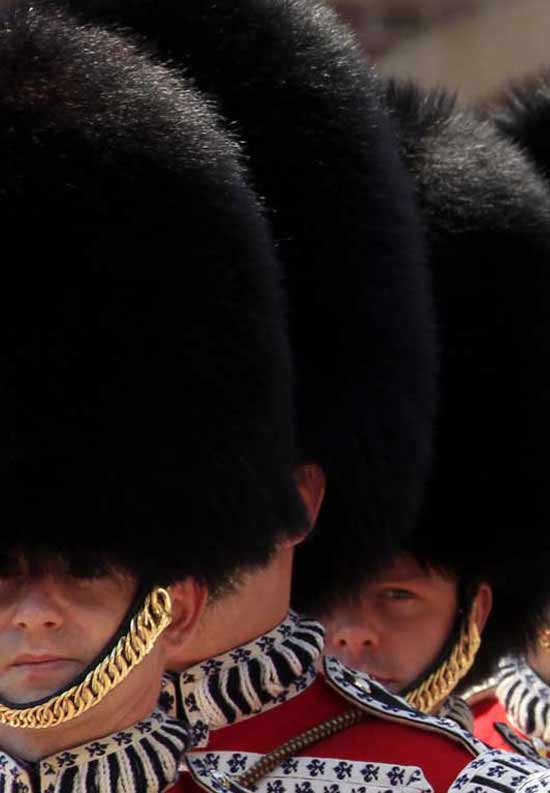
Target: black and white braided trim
(247,680)
(525,697)
(141,759)
(498,771)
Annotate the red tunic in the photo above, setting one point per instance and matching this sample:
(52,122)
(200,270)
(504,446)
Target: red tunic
(375,739)
(180,787)
(486,714)
(493,727)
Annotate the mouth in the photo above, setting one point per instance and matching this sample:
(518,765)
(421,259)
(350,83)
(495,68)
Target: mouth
(42,662)
(33,676)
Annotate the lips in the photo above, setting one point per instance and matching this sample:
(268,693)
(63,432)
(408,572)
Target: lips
(38,659)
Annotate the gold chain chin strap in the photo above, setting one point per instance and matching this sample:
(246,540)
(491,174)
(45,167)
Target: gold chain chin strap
(429,695)
(130,650)
(544,639)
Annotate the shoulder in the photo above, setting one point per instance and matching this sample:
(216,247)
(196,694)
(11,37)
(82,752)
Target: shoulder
(481,695)
(488,712)
(498,771)
(372,698)
(493,727)
(511,710)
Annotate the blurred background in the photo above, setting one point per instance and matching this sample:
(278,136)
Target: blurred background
(474,47)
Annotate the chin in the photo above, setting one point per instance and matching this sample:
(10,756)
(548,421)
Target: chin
(25,685)
(29,695)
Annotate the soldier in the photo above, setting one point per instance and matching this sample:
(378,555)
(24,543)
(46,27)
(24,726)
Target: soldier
(517,697)
(291,81)
(145,409)
(416,624)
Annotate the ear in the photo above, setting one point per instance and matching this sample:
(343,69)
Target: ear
(482,605)
(189,599)
(311,483)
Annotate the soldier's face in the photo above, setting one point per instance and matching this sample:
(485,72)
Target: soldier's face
(398,625)
(53,625)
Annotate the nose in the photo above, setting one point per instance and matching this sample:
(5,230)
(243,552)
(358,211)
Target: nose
(37,607)
(352,642)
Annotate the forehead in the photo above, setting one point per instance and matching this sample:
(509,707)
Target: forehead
(41,564)
(404,567)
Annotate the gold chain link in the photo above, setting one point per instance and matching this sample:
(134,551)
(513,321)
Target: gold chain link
(429,695)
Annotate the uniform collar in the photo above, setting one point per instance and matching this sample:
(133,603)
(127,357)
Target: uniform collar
(247,680)
(457,709)
(525,697)
(141,759)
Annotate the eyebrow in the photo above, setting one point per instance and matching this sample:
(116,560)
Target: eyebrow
(379,579)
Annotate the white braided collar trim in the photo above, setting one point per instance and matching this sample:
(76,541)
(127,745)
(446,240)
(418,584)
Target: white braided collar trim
(247,680)
(525,697)
(143,758)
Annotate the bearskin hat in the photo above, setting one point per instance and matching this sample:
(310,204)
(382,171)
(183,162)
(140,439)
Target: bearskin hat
(525,118)
(145,398)
(487,215)
(291,81)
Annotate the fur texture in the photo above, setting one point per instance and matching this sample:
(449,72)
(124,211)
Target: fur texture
(525,118)
(144,378)
(291,82)
(487,213)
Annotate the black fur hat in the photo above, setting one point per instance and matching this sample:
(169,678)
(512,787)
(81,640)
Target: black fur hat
(292,82)
(487,215)
(145,414)
(525,118)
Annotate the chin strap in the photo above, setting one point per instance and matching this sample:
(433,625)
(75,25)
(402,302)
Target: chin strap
(144,629)
(434,689)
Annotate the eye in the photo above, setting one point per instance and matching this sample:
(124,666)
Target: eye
(395,593)
(85,582)
(82,580)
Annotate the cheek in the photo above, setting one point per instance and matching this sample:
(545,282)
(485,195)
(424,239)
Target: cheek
(412,651)
(416,640)
(444,613)
(331,626)
(97,626)
(5,616)
(431,636)
(8,637)
(97,619)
